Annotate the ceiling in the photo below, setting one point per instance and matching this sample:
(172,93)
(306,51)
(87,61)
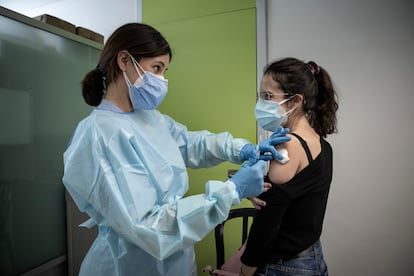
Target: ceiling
(25,5)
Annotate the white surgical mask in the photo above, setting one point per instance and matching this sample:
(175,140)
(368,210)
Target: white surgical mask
(270,115)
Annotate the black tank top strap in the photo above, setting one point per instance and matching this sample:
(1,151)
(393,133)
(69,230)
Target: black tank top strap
(305,146)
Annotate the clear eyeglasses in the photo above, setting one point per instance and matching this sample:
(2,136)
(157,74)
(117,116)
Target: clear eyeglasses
(268,96)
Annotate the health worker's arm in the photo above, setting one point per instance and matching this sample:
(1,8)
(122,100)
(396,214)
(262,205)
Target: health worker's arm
(116,190)
(203,149)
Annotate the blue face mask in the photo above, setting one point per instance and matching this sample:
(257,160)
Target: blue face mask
(148,91)
(270,115)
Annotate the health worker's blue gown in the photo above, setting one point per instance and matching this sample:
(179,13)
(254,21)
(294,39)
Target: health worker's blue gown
(127,171)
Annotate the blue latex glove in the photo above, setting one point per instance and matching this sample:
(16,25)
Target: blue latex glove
(249,153)
(267,150)
(267,147)
(249,179)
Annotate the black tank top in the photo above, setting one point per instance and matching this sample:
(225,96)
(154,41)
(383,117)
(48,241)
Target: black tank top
(305,146)
(293,217)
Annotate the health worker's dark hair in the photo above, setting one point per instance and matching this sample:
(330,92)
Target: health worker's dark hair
(140,40)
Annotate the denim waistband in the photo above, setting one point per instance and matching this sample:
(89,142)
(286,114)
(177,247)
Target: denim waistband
(303,253)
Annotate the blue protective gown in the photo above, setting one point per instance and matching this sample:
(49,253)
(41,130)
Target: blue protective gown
(127,171)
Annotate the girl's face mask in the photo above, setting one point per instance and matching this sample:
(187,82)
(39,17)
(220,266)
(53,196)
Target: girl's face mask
(270,115)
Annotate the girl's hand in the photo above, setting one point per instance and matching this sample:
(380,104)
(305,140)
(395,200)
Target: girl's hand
(258,203)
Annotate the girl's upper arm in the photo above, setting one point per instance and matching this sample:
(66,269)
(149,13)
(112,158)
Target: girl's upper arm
(282,173)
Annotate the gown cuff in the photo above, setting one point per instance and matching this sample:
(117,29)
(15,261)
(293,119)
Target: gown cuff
(235,195)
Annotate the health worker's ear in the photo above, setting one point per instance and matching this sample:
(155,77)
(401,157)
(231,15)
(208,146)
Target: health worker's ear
(122,59)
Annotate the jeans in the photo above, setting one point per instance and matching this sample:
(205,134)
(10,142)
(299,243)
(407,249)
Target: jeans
(308,262)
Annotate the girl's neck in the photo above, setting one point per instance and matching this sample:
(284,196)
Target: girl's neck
(300,125)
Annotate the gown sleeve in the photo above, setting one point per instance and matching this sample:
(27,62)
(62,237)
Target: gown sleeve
(117,190)
(203,149)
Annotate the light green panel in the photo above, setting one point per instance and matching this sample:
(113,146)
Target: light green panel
(212,81)
(162,11)
(212,74)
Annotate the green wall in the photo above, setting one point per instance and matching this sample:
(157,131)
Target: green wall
(212,80)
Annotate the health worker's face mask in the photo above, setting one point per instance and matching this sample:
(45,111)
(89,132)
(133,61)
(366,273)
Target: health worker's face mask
(270,115)
(148,90)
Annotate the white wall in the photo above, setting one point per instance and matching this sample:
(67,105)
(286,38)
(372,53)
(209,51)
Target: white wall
(368,48)
(101,16)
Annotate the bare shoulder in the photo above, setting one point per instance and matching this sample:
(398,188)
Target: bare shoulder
(281,173)
(298,160)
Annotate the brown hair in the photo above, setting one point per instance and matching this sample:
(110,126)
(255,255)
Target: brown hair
(314,83)
(140,40)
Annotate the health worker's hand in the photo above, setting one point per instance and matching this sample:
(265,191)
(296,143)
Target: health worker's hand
(249,179)
(249,153)
(267,147)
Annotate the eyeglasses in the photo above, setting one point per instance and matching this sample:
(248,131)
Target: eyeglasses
(268,96)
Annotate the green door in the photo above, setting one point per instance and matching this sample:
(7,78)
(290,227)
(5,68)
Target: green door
(212,79)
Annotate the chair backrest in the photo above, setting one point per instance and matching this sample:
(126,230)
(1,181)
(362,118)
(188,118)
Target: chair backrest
(244,213)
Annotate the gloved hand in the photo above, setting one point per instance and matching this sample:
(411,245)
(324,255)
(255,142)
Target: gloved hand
(267,147)
(249,153)
(267,150)
(249,179)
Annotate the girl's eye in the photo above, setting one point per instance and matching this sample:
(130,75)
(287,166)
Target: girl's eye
(266,95)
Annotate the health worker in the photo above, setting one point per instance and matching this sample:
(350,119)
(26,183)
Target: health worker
(125,165)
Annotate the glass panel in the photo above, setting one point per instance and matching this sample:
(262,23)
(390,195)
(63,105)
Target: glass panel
(40,105)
